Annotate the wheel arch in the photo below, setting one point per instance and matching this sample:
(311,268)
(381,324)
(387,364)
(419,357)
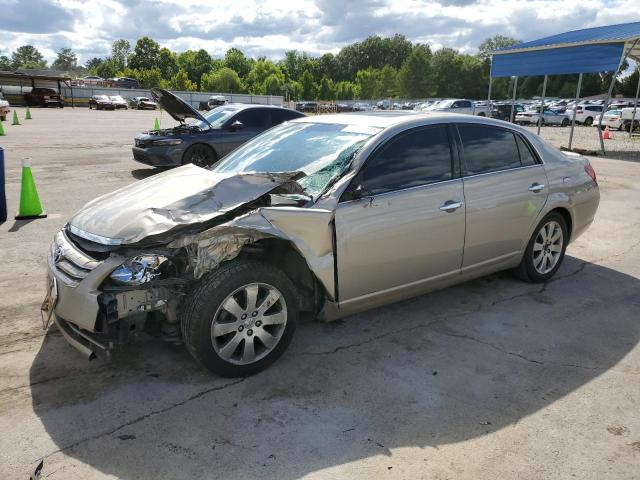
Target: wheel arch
(566,215)
(284,255)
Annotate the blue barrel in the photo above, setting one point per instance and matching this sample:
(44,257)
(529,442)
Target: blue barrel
(3,196)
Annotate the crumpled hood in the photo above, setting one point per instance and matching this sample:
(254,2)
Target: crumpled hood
(182,196)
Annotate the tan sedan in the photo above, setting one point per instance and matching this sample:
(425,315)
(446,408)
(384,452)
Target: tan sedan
(329,214)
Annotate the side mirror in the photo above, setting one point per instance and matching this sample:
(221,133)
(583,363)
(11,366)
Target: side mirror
(237,125)
(357,192)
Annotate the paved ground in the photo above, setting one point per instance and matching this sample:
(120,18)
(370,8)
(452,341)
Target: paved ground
(491,379)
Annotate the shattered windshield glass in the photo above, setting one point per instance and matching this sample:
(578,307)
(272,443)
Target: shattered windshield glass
(321,151)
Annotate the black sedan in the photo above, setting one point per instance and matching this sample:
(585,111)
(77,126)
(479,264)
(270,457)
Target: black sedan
(204,139)
(101,102)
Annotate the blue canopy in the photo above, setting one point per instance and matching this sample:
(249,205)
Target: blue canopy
(598,49)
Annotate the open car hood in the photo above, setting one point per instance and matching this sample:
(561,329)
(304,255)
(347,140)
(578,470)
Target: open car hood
(186,195)
(175,106)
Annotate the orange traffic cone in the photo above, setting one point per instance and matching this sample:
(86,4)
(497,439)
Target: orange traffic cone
(30,206)
(607,135)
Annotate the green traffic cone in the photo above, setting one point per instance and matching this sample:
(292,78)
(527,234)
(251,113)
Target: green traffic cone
(156,125)
(28,115)
(2,130)
(30,206)
(15,118)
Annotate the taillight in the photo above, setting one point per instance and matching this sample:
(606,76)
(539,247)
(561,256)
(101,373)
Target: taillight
(591,172)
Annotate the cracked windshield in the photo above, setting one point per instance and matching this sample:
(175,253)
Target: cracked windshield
(321,151)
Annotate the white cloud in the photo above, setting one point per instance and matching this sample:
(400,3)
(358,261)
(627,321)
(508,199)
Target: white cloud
(269,27)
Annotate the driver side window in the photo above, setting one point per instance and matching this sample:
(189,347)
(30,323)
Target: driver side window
(253,118)
(418,157)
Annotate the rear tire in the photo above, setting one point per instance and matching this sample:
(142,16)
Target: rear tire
(588,121)
(545,251)
(219,326)
(565,122)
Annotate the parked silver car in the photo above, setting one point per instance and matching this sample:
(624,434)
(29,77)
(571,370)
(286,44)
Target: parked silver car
(329,214)
(549,117)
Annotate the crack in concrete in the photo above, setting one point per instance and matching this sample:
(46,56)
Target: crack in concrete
(146,416)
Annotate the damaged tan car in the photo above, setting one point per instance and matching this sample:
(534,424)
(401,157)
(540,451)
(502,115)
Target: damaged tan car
(330,215)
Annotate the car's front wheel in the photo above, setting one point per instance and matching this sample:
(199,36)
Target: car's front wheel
(200,155)
(545,250)
(240,318)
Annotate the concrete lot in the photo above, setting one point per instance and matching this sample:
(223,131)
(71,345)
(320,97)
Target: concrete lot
(491,379)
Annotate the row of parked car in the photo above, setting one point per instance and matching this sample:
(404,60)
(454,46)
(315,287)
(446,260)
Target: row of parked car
(114,102)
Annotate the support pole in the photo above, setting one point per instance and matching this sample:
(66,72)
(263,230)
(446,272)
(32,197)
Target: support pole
(635,104)
(490,81)
(610,91)
(513,99)
(575,110)
(544,94)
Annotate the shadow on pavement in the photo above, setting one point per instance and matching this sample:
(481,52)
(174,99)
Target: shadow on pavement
(142,173)
(446,367)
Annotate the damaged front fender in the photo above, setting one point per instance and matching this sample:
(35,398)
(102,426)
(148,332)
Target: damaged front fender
(309,230)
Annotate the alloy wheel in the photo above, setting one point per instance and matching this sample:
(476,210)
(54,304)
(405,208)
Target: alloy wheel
(547,247)
(249,323)
(200,157)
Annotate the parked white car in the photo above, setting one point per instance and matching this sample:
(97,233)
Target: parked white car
(4,108)
(586,114)
(612,119)
(627,116)
(456,105)
(549,117)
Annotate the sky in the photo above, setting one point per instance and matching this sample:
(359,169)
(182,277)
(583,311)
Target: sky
(270,27)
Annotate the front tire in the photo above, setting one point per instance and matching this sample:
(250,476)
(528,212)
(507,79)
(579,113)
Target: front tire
(240,318)
(545,251)
(200,155)
(565,122)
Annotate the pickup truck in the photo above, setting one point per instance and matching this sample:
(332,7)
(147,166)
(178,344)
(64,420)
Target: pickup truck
(4,108)
(457,105)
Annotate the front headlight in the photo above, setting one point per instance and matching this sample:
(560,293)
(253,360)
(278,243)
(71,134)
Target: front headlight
(168,141)
(139,270)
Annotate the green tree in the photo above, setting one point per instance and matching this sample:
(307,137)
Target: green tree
(180,81)
(120,50)
(168,63)
(308,86)
(65,61)
(494,43)
(92,64)
(260,71)
(388,87)
(27,56)
(295,64)
(345,90)
(5,62)
(107,69)
(150,77)
(415,77)
(146,54)
(273,84)
(236,61)
(367,83)
(326,89)
(224,80)
(195,63)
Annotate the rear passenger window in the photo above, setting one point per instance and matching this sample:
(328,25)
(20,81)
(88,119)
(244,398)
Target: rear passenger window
(279,116)
(488,149)
(254,118)
(526,156)
(418,157)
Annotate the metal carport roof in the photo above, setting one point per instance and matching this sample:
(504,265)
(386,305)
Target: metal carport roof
(597,49)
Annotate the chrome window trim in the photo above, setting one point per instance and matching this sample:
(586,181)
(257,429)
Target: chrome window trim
(93,237)
(501,171)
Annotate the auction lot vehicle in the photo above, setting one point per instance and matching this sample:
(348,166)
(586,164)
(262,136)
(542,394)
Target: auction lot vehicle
(44,97)
(549,117)
(125,82)
(4,108)
(143,103)
(101,102)
(119,102)
(206,138)
(466,107)
(612,119)
(216,101)
(628,116)
(331,215)
(585,114)
(502,111)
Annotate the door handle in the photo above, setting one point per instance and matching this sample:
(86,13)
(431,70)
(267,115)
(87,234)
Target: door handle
(536,187)
(450,206)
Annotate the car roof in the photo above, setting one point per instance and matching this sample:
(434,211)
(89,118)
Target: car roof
(244,106)
(389,119)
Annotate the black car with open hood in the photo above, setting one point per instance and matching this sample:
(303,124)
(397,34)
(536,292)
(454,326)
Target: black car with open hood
(203,139)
